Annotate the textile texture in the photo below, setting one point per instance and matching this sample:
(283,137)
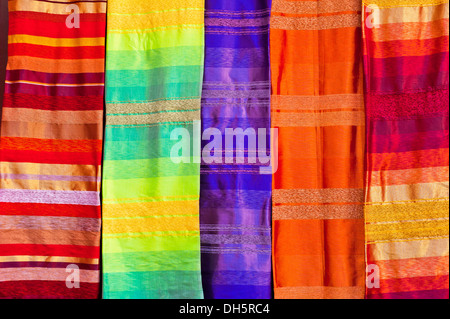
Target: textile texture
(51,150)
(235,200)
(406,65)
(151,233)
(318,107)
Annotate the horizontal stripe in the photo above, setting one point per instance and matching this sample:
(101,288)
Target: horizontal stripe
(319,292)
(143,108)
(62,90)
(398,193)
(49,250)
(26,76)
(49,223)
(47,28)
(407,211)
(415,267)
(49,290)
(314,7)
(51,177)
(409,176)
(408,249)
(409,31)
(165,18)
(317,196)
(49,259)
(162,223)
(417,294)
(49,237)
(46,169)
(175,116)
(55,66)
(144,210)
(50,145)
(404,3)
(412,284)
(140,7)
(316,212)
(318,102)
(149,244)
(316,23)
(55,42)
(407,230)
(52,131)
(42,116)
(49,197)
(56,8)
(54,103)
(409,160)
(42,51)
(48,265)
(54,274)
(398,48)
(75,158)
(29,209)
(343,118)
(28,184)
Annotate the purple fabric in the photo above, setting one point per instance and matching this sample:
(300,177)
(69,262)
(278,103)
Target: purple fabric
(235,200)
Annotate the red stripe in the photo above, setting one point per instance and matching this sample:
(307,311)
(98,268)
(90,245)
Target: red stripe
(61,18)
(50,158)
(411,284)
(49,250)
(47,290)
(32,209)
(48,52)
(53,103)
(87,29)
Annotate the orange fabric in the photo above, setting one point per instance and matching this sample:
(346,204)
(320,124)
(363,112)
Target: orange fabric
(318,223)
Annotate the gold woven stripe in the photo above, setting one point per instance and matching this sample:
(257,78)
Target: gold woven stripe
(409,249)
(316,23)
(318,212)
(156,118)
(403,3)
(328,195)
(314,7)
(406,211)
(138,108)
(343,118)
(318,102)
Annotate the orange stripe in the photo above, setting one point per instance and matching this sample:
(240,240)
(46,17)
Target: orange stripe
(55,66)
(414,267)
(41,145)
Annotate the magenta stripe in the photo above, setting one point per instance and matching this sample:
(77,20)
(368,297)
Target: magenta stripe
(52,78)
(54,90)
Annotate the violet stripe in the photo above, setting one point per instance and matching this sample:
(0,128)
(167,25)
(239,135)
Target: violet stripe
(49,197)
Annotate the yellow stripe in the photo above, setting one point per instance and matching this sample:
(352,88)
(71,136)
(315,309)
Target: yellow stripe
(407,230)
(145,225)
(406,211)
(145,6)
(404,3)
(55,42)
(140,210)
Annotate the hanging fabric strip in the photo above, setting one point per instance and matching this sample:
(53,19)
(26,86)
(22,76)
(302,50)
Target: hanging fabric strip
(235,194)
(151,233)
(406,66)
(51,150)
(317,105)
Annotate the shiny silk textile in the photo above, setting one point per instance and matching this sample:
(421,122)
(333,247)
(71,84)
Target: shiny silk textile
(235,198)
(51,150)
(317,104)
(406,65)
(151,233)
